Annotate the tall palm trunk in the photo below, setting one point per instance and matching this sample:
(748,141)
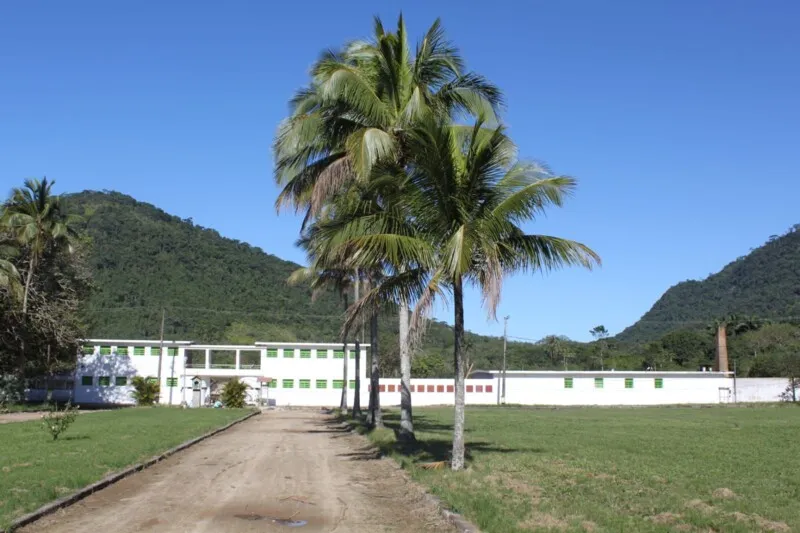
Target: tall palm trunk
(343,404)
(28,281)
(458,360)
(406,420)
(375,415)
(357,391)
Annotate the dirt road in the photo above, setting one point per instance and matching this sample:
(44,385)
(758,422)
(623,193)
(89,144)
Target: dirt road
(278,472)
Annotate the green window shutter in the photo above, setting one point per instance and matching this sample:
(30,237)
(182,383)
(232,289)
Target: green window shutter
(272,352)
(567,383)
(598,383)
(105,350)
(659,382)
(120,381)
(152,380)
(351,354)
(155,350)
(305,354)
(138,350)
(87,381)
(338,354)
(322,383)
(122,350)
(172,382)
(172,351)
(338,384)
(322,354)
(305,384)
(288,383)
(88,350)
(628,383)
(104,381)
(351,384)
(273,384)
(288,353)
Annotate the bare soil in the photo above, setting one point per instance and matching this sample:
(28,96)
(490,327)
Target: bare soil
(272,473)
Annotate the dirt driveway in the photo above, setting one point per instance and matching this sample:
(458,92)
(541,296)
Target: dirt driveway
(268,474)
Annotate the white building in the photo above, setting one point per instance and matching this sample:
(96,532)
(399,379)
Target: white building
(310,374)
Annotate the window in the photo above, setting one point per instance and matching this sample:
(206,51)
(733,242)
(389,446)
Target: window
(152,380)
(322,354)
(567,383)
(381,388)
(488,388)
(439,388)
(450,388)
(138,350)
(155,350)
(272,352)
(322,383)
(430,388)
(305,354)
(88,350)
(120,381)
(391,388)
(87,381)
(598,383)
(104,381)
(659,382)
(288,353)
(338,354)
(172,351)
(288,383)
(105,350)
(338,384)
(122,350)
(470,388)
(172,382)
(305,383)
(273,384)
(478,388)
(351,354)
(628,383)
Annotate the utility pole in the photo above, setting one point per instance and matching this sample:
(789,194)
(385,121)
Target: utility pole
(161,351)
(505,342)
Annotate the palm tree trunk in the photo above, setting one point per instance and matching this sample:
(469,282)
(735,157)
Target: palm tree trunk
(343,404)
(28,281)
(375,415)
(458,359)
(406,433)
(357,391)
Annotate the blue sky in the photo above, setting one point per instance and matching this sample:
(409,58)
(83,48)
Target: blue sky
(677,117)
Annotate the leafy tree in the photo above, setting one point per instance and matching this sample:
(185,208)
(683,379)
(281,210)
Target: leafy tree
(234,394)
(600,334)
(689,348)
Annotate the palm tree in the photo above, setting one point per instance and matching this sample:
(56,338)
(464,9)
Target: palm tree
(465,198)
(9,276)
(354,116)
(33,216)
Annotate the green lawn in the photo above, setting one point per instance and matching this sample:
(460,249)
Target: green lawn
(733,469)
(34,469)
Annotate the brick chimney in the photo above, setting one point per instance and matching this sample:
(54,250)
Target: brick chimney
(721,362)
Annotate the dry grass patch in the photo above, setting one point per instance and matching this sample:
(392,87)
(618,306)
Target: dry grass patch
(664,518)
(538,521)
(724,494)
(700,506)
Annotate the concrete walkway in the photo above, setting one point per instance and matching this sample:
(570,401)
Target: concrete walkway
(280,471)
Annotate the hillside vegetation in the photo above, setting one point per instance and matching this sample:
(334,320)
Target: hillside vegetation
(764,284)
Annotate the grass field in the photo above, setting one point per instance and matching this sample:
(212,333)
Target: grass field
(34,469)
(656,469)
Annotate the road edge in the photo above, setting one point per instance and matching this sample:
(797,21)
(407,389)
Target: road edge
(459,522)
(86,491)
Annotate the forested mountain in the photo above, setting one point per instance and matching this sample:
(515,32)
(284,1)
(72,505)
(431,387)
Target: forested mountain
(763,284)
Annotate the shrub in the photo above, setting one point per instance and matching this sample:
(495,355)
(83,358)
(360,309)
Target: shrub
(56,422)
(11,390)
(145,390)
(234,394)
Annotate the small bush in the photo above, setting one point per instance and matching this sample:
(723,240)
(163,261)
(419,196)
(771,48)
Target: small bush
(11,390)
(56,422)
(145,390)
(234,394)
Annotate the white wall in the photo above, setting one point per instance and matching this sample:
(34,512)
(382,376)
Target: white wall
(760,389)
